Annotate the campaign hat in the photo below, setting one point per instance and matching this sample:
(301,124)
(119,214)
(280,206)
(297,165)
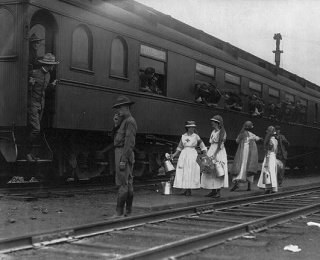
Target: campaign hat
(191,124)
(122,101)
(49,59)
(35,38)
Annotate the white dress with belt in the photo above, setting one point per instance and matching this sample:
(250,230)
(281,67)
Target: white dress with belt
(270,164)
(188,170)
(209,179)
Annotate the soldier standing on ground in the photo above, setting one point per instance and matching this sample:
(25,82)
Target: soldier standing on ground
(282,153)
(124,142)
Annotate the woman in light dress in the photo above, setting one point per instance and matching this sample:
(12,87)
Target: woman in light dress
(269,166)
(188,170)
(245,163)
(217,153)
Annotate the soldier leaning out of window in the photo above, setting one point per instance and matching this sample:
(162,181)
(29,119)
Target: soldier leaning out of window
(153,85)
(272,111)
(207,94)
(233,101)
(145,79)
(255,106)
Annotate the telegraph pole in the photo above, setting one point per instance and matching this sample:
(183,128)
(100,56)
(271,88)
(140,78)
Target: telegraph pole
(277,52)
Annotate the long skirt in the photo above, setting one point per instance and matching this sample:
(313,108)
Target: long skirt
(188,170)
(209,179)
(271,166)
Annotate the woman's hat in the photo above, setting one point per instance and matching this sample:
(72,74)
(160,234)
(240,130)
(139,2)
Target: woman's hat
(191,124)
(122,101)
(49,59)
(35,38)
(216,119)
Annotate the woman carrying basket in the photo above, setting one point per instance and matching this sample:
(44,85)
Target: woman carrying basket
(216,177)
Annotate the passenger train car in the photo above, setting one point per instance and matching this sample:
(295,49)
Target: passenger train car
(103,48)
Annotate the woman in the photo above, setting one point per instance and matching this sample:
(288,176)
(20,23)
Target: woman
(217,153)
(245,163)
(188,171)
(269,166)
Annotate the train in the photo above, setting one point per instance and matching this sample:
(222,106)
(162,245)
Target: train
(104,48)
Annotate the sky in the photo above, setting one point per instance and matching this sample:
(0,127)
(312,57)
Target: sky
(251,24)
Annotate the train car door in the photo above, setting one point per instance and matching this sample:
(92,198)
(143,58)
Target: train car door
(44,26)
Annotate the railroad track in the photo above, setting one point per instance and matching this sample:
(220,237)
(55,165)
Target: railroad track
(40,190)
(168,233)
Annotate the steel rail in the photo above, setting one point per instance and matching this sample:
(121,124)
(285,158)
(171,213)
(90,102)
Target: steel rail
(69,234)
(200,242)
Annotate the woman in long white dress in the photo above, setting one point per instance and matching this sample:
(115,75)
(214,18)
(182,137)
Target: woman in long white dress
(245,163)
(217,153)
(188,170)
(268,176)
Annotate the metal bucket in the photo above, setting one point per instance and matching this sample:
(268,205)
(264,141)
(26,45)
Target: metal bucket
(266,178)
(168,167)
(219,169)
(166,187)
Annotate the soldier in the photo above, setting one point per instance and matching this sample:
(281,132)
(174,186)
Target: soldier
(124,142)
(282,153)
(145,79)
(34,44)
(39,80)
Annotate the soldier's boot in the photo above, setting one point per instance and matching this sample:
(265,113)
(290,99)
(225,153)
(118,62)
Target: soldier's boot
(129,203)
(121,201)
(217,195)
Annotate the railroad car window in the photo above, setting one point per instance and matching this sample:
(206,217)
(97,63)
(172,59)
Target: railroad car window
(255,88)
(152,70)
(119,58)
(316,113)
(82,48)
(231,88)
(303,110)
(206,89)
(289,97)
(6,32)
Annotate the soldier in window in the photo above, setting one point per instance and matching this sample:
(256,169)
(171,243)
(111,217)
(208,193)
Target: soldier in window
(154,86)
(214,95)
(233,101)
(254,105)
(202,93)
(272,111)
(296,112)
(145,79)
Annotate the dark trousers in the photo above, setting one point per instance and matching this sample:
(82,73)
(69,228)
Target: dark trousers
(124,180)
(34,116)
(280,174)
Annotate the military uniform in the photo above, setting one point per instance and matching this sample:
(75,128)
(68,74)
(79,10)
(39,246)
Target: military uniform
(36,100)
(124,142)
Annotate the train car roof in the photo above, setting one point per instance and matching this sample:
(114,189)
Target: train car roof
(137,15)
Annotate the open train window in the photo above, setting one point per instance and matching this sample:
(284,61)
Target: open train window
(153,70)
(119,58)
(6,32)
(316,113)
(232,82)
(255,88)
(82,42)
(274,96)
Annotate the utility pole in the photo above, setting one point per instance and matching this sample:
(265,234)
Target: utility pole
(277,52)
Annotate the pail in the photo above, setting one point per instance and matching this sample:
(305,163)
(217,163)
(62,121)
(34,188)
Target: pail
(266,178)
(168,167)
(219,169)
(166,187)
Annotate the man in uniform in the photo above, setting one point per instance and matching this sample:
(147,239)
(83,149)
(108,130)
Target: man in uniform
(124,142)
(34,44)
(38,82)
(282,153)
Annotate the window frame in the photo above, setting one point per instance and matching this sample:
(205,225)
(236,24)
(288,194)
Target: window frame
(73,66)
(125,59)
